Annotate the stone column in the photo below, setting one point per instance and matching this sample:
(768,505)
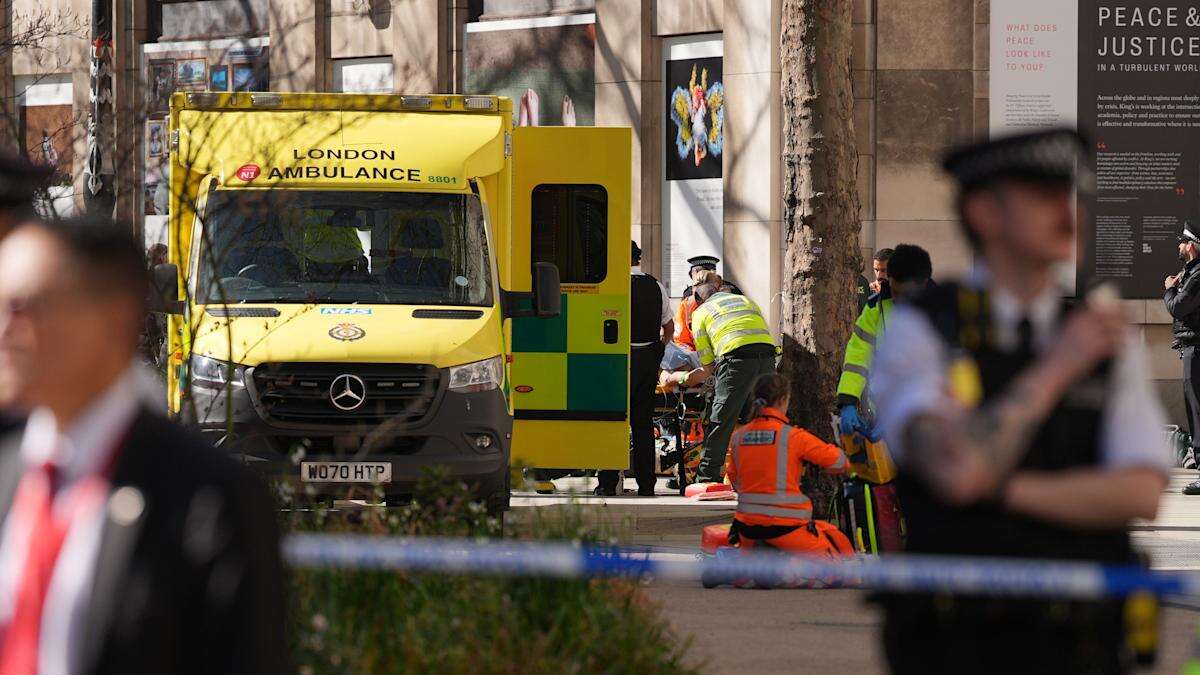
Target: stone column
(419,51)
(9,140)
(129,31)
(862,62)
(299,45)
(628,93)
(78,59)
(456,15)
(753,171)
(925,102)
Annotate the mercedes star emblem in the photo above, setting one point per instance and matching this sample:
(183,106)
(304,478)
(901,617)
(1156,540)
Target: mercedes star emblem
(347,392)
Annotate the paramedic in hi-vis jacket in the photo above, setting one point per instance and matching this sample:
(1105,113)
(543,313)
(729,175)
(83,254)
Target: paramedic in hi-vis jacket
(1022,425)
(765,464)
(910,270)
(732,340)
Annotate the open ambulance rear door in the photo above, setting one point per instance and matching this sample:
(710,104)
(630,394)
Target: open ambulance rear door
(571,203)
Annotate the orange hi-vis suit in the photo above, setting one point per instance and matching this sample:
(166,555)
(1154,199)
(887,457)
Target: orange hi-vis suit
(765,463)
(683,323)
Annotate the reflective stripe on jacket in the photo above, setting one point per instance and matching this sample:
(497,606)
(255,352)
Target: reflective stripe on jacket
(725,322)
(765,463)
(861,347)
(683,323)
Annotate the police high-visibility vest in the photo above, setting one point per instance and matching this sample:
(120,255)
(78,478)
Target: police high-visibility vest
(861,347)
(724,323)
(765,463)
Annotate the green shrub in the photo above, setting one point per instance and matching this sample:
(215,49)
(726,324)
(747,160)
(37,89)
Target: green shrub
(384,622)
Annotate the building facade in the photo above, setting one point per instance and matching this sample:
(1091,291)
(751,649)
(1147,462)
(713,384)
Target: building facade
(697,80)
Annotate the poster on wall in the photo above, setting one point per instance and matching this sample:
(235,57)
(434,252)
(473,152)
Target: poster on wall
(693,155)
(696,110)
(1129,75)
(546,65)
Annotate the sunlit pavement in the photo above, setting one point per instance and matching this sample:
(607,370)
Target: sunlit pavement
(828,631)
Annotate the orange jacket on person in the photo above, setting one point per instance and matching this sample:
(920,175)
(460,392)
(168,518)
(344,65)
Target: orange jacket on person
(766,495)
(683,323)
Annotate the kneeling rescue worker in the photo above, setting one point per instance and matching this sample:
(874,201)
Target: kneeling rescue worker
(765,464)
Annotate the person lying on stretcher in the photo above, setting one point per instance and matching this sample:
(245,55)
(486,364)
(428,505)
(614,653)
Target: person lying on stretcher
(676,359)
(772,510)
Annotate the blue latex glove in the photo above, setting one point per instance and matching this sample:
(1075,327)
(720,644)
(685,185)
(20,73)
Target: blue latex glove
(873,434)
(851,422)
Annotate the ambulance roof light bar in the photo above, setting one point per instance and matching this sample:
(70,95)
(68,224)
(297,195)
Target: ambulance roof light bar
(416,102)
(266,100)
(479,103)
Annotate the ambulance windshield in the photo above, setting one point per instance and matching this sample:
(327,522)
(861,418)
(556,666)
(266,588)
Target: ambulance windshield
(314,246)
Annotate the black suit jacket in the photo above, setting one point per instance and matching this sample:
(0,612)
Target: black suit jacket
(188,577)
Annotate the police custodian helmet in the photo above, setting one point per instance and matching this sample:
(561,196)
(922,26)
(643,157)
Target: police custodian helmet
(1054,155)
(1191,232)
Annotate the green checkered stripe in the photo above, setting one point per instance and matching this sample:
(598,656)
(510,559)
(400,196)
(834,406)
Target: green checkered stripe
(571,348)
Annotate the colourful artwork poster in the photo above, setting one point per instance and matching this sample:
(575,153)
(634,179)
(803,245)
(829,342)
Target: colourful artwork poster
(695,126)
(549,71)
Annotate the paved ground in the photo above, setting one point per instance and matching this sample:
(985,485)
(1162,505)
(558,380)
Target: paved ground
(832,631)
(818,632)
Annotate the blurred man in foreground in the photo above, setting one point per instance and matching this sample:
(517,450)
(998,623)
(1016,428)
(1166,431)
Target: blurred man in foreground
(20,182)
(126,544)
(1021,426)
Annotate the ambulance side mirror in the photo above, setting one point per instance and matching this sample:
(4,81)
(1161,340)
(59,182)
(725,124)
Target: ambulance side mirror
(164,290)
(547,291)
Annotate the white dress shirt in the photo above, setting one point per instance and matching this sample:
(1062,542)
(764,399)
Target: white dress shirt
(667,316)
(81,450)
(908,377)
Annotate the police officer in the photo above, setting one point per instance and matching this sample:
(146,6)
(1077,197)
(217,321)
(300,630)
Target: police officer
(734,341)
(683,316)
(651,328)
(1021,426)
(1183,302)
(911,269)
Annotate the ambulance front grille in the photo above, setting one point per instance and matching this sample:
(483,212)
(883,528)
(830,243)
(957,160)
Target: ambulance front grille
(304,392)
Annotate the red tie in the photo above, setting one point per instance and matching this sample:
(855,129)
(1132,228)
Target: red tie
(34,505)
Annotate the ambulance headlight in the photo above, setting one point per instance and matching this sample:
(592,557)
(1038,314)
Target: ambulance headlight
(477,376)
(214,373)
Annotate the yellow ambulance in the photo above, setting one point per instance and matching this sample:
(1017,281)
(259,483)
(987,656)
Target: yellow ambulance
(362,286)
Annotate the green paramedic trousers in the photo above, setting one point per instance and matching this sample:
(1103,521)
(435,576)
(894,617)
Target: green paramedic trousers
(735,376)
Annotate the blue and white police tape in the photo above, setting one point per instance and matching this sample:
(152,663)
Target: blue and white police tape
(897,573)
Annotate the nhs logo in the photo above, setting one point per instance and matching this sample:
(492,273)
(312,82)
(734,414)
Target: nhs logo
(346,311)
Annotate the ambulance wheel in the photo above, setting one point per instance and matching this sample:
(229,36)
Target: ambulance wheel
(497,502)
(708,581)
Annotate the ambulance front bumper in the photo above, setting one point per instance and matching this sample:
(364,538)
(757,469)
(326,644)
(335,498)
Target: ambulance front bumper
(467,436)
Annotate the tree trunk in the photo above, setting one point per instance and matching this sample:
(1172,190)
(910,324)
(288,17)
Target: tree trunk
(821,219)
